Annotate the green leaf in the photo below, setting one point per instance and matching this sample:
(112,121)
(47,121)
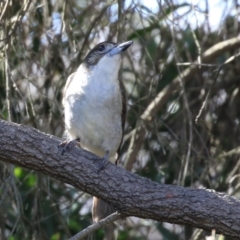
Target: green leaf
(56,236)
(18,172)
(31,180)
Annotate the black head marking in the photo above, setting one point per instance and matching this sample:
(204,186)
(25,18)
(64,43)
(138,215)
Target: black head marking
(97,52)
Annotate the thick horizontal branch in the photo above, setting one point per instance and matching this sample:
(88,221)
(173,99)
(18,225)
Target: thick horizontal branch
(131,194)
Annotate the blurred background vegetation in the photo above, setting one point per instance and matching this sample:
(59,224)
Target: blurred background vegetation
(42,42)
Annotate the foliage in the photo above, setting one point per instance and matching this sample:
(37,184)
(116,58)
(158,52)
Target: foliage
(42,42)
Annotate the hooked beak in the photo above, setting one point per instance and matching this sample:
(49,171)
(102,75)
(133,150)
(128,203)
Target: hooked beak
(120,48)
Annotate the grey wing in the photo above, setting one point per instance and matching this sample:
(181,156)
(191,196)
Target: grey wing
(69,80)
(124,113)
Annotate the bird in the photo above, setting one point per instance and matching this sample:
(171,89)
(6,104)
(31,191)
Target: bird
(94,103)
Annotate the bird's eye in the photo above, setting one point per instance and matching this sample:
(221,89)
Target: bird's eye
(101,48)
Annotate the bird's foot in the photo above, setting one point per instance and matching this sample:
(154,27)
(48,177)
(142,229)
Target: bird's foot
(67,145)
(104,162)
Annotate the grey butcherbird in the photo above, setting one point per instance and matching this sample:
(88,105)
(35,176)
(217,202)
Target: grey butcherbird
(95,107)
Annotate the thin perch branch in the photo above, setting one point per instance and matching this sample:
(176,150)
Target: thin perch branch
(89,230)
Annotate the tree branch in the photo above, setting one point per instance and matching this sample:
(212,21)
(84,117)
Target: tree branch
(131,194)
(162,97)
(92,228)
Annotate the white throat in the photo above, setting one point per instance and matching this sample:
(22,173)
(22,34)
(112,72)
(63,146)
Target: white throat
(93,106)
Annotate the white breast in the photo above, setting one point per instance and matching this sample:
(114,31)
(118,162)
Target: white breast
(93,107)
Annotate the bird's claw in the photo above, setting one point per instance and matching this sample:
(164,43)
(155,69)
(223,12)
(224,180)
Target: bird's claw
(67,145)
(104,162)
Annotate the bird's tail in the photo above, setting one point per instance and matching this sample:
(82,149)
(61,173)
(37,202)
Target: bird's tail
(101,209)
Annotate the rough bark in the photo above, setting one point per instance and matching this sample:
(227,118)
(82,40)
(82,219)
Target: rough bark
(131,194)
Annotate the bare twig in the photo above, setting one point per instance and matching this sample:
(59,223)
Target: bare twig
(92,25)
(162,97)
(8,87)
(214,81)
(4,10)
(89,230)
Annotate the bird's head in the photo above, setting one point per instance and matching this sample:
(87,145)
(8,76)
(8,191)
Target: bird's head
(106,55)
